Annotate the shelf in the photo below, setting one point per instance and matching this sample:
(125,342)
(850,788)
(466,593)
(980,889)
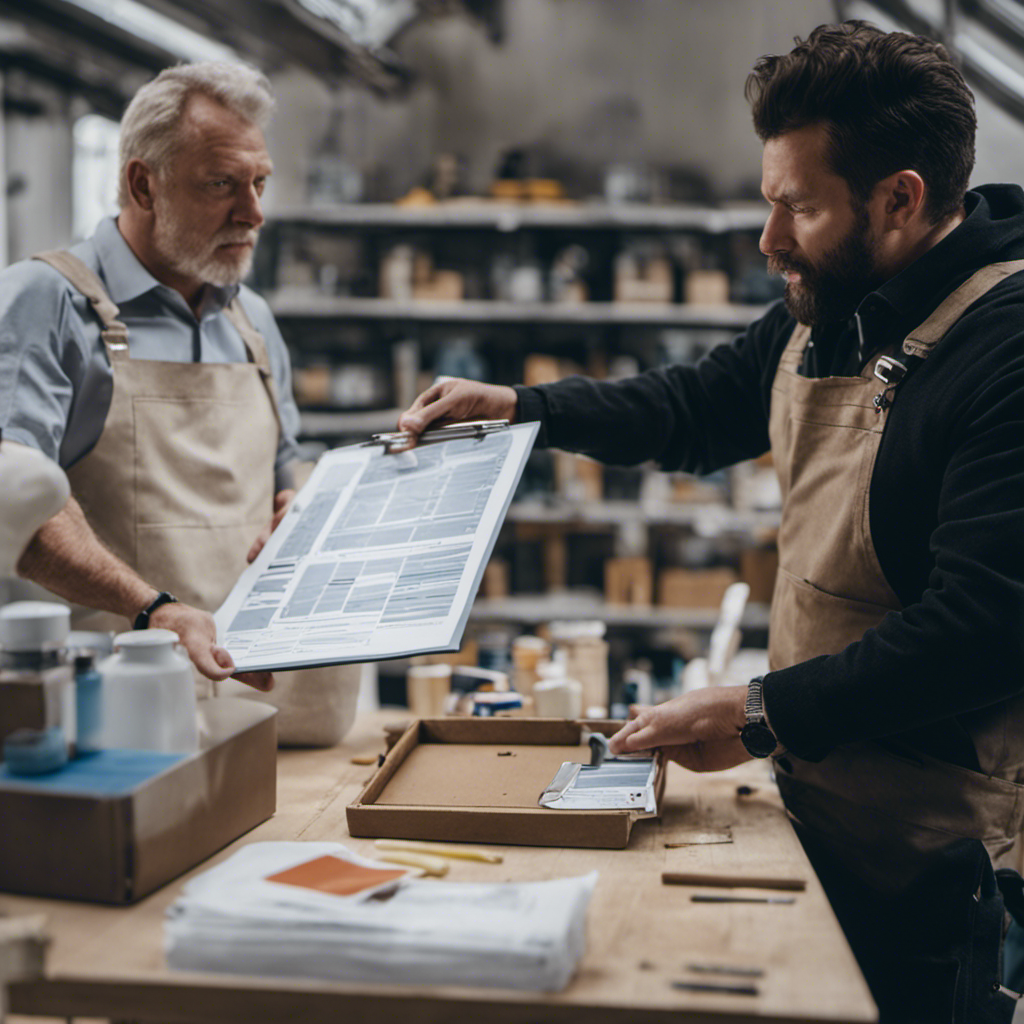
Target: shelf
(312,306)
(708,520)
(534,609)
(361,422)
(505,217)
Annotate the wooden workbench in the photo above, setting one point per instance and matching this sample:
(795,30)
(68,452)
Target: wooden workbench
(107,962)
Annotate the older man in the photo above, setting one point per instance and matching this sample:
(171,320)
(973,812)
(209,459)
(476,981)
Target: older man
(138,363)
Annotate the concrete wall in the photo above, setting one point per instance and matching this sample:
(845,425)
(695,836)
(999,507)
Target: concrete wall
(554,85)
(557,84)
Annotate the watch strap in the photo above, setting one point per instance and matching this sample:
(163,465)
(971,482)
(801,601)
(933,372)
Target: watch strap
(142,619)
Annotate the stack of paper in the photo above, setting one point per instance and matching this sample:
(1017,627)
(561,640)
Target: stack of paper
(331,914)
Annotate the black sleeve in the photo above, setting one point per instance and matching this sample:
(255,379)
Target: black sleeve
(957,647)
(692,417)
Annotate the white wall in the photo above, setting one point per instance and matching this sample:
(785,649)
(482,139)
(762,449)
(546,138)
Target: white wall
(545,86)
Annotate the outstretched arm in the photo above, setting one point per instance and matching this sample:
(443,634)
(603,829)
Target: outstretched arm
(67,558)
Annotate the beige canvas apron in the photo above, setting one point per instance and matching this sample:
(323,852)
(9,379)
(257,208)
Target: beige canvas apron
(181,482)
(878,810)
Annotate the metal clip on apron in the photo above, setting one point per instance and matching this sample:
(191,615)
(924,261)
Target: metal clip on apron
(181,481)
(880,815)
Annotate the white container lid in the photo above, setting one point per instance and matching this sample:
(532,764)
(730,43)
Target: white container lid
(145,639)
(583,629)
(34,625)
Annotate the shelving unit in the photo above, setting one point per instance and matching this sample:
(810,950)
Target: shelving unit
(333,315)
(507,217)
(533,610)
(311,306)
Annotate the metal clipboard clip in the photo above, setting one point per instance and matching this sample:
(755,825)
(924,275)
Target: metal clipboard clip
(453,432)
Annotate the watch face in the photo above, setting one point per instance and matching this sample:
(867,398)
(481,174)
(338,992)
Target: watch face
(759,740)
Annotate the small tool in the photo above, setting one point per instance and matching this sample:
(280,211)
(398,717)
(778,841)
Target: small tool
(439,850)
(436,866)
(713,986)
(598,749)
(701,897)
(732,881)
(740,972)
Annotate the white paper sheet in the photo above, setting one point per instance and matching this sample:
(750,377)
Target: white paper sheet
(625,783)
(525,935)
(380,556)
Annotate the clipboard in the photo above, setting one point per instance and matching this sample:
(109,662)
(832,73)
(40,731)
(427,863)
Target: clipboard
(381,553)
(449,432)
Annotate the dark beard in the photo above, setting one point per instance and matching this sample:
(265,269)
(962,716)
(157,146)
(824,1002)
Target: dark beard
(832,288)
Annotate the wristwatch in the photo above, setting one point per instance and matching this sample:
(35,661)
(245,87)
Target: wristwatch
(142,619)
(759,740)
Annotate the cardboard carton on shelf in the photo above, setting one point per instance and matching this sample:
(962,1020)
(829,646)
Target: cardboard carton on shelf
(706,288)
(758,567)
(83,833)
(628,581)
(694,588)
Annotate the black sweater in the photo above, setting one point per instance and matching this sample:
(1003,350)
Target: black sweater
(947,494)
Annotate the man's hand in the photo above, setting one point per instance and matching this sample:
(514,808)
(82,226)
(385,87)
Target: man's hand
(700,730)
(456,400)
(198,634)
(282,501)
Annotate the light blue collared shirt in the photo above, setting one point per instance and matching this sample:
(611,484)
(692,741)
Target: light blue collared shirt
(55,378)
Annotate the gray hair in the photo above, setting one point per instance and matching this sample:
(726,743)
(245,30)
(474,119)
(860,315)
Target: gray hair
(150,126)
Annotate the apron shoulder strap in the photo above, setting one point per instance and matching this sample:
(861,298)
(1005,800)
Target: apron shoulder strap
(81,277)
(921,341)
(256,346)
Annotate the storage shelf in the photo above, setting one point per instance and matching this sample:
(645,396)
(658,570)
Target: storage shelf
(533,609)
(710,519)
(515,216)
(312,306)
(357,422)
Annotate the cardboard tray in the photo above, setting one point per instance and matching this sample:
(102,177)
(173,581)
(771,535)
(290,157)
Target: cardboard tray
(478,780)
(119,848)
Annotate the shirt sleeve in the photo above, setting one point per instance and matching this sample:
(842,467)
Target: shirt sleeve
(696,417)
(280,365)
(42,356)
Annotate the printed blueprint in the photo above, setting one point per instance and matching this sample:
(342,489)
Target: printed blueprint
(379,556)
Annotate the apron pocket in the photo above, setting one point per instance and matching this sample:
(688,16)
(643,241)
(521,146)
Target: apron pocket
(820,622)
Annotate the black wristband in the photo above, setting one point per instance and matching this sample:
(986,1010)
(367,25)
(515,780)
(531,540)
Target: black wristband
(142,619)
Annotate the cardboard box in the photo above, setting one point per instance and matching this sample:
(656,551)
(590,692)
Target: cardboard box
(118,847)
(478,780)
(628,581)
(694,588)
(758,567)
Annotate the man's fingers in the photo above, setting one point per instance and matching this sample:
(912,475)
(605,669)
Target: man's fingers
(257,680)
(257,546)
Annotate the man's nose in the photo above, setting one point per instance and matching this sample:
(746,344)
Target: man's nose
(248,208)
(775,237)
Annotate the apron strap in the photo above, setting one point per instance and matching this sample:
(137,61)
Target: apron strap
(923,339)
(256,347)
(114,333)
(921,342)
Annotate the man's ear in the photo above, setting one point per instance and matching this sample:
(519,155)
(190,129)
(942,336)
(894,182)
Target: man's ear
(140,181)
(902,195)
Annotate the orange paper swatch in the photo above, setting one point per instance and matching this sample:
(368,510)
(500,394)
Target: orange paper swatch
(334,875)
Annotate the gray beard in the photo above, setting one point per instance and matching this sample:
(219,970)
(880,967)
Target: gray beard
(194,255)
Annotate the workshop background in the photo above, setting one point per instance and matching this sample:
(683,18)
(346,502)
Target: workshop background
(511,190)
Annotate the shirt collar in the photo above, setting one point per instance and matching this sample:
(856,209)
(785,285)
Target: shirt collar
(126,278)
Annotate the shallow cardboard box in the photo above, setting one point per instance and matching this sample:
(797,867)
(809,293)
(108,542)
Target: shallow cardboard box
(117,849)
(694,588)
(478,780)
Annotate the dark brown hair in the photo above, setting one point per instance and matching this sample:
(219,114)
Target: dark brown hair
(889,100)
